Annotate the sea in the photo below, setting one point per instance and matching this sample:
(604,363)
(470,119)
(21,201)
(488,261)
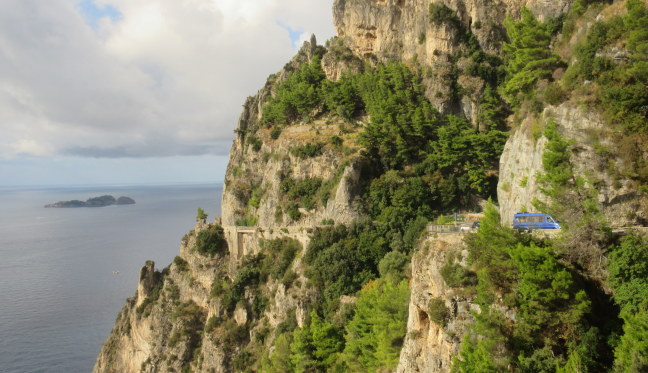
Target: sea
(66,272)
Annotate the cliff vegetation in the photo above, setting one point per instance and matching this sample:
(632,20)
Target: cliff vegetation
(325,257)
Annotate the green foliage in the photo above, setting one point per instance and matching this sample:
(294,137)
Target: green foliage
(456,275)
(247,221)
(181,264)
(401,117)
(301,192)
(279,361)
(438,311)
(307,150)
(631,355)
(254,141)
(440,14)
(211,241)
(191,319)
(279,255)
(528,57)
(554,328)
(296,97)
(376,332)
(316,346)
(622,91)
(554,94)
(628,273)
(341,260)
(343,97)
(275,133)
(202,215)
(550,304)
(392,265)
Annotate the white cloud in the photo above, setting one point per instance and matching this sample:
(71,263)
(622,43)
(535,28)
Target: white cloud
(167,77)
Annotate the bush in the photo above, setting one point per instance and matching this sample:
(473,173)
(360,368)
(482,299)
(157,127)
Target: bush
(274,134)
(456,275)
(554,94)
(438,311)
(307,150)
(255,142)
(393,264)
(280,254)
(181,264)
(202,215)
(628,273)
(211,241)
(440,13)
(297,96)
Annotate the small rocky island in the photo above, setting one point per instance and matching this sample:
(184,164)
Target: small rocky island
(100,201)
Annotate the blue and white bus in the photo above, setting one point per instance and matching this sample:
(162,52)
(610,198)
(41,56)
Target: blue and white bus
(534,220)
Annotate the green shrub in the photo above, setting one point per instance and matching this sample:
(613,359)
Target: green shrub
(202,215)
(275,133)
(297,96)
(440,13)
(255,142)
(628,273)
(279,255)
(393,264)
(293,211)
(181,264)
(554,94)
(456,275)
(211,241)
(247,221)
(438,311)
(307,150)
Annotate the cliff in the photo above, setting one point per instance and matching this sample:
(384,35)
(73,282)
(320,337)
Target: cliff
(349,159)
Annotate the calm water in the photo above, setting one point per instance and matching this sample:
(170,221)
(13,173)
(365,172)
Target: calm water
(58,294)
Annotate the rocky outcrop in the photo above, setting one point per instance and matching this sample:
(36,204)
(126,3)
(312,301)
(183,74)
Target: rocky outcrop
(403,30)
(430,345)
(592,156)
(180,317)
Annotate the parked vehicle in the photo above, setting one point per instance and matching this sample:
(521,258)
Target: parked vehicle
(534,220)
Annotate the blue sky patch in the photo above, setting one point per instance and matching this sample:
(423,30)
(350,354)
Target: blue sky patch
(294,34)
(93,13)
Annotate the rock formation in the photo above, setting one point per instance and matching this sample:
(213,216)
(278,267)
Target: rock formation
(201,312)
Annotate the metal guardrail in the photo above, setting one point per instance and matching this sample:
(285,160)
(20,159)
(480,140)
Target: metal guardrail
(443,228)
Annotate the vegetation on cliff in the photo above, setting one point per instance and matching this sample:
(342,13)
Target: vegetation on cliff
(573,303)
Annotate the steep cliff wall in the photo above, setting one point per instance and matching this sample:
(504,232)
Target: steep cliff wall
(231,310)
(431,344)
(521,164)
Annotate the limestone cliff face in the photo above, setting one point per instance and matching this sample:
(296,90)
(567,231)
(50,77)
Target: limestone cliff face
(430,345)
(177,319)
(521,163)
(401,30)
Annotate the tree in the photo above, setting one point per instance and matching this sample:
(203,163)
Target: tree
(202,215)
(528,57)
(375,334)
(632,353)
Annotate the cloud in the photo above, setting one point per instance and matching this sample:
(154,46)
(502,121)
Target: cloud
(139,78)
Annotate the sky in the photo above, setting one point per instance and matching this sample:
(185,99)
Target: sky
(136,91)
